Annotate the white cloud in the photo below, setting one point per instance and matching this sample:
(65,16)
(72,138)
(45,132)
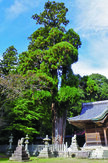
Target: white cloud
(92,26)
(86,69)
(16,9)
(99,49)
(20,6)
(93,15)
(93,59)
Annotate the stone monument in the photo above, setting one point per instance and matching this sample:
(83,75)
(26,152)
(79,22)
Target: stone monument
(74,146)
(20,154)
(45,153)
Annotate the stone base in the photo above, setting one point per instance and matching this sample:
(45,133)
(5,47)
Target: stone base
(45,153)
(96,152)
(83,154)
(79,154)
(92,147)
(19,154)
(99,153)
(9,152)
(91,152)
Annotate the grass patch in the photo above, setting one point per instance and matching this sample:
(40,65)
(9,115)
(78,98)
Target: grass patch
(68,160)
(55,160)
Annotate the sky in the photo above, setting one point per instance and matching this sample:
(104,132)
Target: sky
(89,18)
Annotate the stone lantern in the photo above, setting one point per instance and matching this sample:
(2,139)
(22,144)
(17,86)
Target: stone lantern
(45,153)
(26,144)
(10,150)
(46,140)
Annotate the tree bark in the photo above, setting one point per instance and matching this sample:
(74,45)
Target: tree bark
(58,126)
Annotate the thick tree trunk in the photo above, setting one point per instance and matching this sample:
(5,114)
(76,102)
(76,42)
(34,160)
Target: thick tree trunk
(54,115)
(62,127)
(58,126)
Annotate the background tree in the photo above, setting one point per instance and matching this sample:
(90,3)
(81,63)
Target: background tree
(24,105)
(94,87)
(102,85)
(9,60)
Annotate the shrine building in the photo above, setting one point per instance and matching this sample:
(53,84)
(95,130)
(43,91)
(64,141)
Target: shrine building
(94,120)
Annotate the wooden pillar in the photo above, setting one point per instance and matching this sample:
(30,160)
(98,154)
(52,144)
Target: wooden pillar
(105,137)
(96,135)
(85,135)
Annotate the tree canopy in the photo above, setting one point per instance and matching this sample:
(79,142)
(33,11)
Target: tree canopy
(9,61)
(54,15)
(50,54)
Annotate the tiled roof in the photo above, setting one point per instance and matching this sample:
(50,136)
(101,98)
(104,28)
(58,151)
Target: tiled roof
(94,111)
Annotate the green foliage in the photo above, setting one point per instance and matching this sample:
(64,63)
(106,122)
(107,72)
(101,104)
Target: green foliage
(94,87)
(9,61)
(35,43)
(25,104)
(65,53)
(68,94)
(51,52)
(46,37)
(29,94)
(91,89)
(70,98)
(26,112)
(54,15)
(72,37)
(102,86)
(61,54)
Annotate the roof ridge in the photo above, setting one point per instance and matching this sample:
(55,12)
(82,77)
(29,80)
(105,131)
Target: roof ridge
(101,116)
(96,102)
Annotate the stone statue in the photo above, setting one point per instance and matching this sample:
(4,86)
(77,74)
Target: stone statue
(20,142)
(20,154)
(74,146)
(74,139)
